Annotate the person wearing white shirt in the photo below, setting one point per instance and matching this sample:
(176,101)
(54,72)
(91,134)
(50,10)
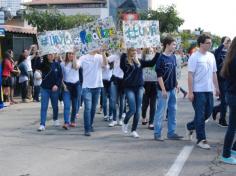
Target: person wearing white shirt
(106,77)
(202,80)
(72,89)
(37,83)
(92,65)
(117,90)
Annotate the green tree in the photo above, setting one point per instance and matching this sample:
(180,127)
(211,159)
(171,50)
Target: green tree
(53,19)
(169,20)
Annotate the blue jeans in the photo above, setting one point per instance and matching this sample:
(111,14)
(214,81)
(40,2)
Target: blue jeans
(134,97)
(161,106)
(229,136)
(69,99)
(90,97)
(24,86)
(105,95)
(36,92)
(203,107)
(117,95)
(47,94)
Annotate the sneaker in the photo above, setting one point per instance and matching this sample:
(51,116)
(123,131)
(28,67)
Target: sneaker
(73,125)
(151,127)
(125,128)
(158,138)
(110,118)
(120,123)
(56,123)
(174,137)
(66,126)
(106,118)
(134,134)
(112,124)
(123,115)
(233,153)
(87,134)
(189,134)
(203,144)
(223,123)
(41,128)
(229,160)
(214,114)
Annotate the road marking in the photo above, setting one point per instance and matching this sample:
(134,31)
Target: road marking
(180,161)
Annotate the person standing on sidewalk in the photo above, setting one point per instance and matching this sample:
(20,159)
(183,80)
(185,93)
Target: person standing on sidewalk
(201,78)
(51,83)
(166,91)
(220,54)
(229,73)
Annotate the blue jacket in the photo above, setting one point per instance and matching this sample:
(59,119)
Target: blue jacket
(220,54)
(231,80)
(166,68)
(51,77)
(23,69)
(133,74)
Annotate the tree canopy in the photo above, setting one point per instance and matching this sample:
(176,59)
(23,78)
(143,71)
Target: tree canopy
(169,20)
(53,19)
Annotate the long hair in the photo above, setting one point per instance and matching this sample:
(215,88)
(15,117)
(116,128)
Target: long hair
(231,55)
(46,64)
(130,59)
(74,64)
(21,59)
(6,56)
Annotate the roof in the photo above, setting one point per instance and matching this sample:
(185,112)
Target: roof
(54,2)
(19,29)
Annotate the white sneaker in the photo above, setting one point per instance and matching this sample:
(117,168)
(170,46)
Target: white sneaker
(41,128)
(120,123)
(106,118)
(123,115)
(110,118)
(135,134)
(56,123)
(112,124)
(125,128)
(203,144)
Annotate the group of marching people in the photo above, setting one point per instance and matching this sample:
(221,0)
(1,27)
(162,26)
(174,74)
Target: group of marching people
(118,77)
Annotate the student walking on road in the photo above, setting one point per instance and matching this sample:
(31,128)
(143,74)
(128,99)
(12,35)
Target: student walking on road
(51,83)
(229,73)
(201,78)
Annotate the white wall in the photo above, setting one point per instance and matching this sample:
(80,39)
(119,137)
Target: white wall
(100,12)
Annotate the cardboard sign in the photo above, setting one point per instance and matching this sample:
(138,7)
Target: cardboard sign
(55,42)
(83,39)
(149,73)
(141,34)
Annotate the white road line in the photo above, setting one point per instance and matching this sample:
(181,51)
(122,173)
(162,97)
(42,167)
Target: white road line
(180,161)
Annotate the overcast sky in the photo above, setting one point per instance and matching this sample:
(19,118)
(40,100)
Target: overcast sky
(217,17)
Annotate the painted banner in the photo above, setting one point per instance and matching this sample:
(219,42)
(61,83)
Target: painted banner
(141,34)
(54,42)
(149,73)
(94,35)
(83,39)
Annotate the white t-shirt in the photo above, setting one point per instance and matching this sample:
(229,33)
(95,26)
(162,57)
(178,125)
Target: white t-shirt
(92,70)
(106,73)
(70,75)
(37,78)
(203,66)
(28,63)
(117,72)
